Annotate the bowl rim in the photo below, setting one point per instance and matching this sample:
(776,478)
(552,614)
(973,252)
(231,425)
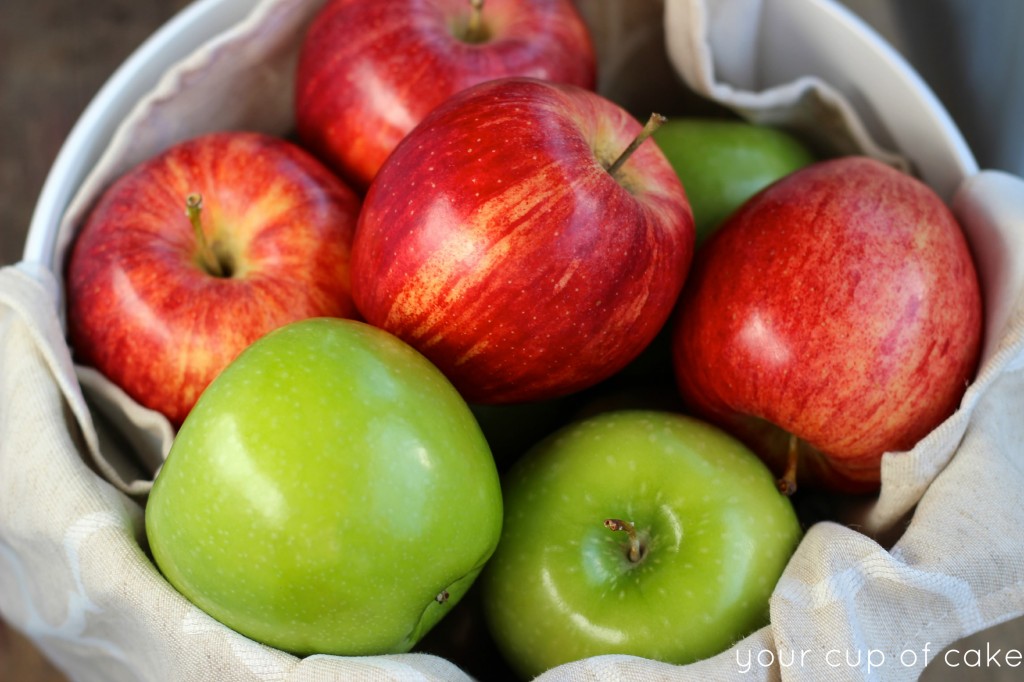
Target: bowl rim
(953,141)
(92,132)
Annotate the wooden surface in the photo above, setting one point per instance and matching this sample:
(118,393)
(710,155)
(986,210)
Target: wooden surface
(54,55)
(22,662)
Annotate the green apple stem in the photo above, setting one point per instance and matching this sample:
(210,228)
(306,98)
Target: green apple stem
(194,206)
(475,31)
(635,549)
(787,484)
(653,123)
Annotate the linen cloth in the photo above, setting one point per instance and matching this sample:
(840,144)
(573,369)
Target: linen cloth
(938,555)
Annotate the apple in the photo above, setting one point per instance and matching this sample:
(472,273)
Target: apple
(329,493)
(835,317)
(635,532)
(724,162)
(514,240)
(191,256)
(370,71)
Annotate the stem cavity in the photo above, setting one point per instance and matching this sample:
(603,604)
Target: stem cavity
(636,550)
(653,123)
(194,211)
(476,32)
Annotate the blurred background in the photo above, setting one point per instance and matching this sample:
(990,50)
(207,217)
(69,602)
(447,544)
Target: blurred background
(55,54)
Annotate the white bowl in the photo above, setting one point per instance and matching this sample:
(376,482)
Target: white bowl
(825,39)
(803,37)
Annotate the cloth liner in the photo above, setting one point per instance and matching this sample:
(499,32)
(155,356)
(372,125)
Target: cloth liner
(77,456)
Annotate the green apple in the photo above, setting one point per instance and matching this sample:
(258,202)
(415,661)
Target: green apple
(330,492)
(724,162)
(635,532)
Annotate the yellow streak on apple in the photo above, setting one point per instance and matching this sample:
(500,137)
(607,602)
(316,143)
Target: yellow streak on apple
(431,281)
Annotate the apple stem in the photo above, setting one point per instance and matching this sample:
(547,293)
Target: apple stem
(635,550)
(194,211)
(474,31)
(787,484)
(653,123)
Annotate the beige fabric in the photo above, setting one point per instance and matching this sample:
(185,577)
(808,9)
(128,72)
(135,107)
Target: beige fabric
(76,456)
(728,68)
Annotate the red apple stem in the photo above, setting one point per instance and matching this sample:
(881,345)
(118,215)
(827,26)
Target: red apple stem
(635,550)
(194,211)
(787,484)
(474,31)
(653,123)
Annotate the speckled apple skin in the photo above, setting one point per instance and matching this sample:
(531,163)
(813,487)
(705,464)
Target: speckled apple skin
(841,305)
(496,242)
(145,313)
(370,71)
(718,534)
(326,488)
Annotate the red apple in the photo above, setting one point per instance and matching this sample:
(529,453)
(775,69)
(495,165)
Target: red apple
(159,318)
(370,71)
(840,306)
(497,242)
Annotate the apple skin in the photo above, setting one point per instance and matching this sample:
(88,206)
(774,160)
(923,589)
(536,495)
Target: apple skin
(145,312)
(328,485)
(717,536)
(840,305)
(370,71)
(723,162)
(495,241)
